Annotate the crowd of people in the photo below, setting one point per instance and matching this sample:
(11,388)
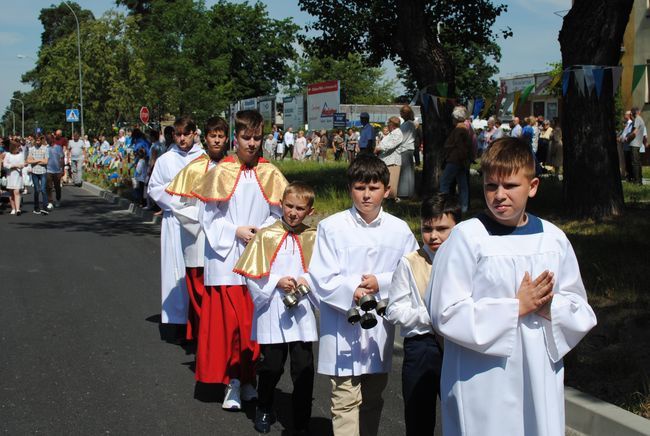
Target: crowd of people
(243,276)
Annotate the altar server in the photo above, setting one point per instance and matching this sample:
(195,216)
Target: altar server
(422,348)
(186,211)
(356,253)
(273,264)
(172,265)
(241,195)
(505,334)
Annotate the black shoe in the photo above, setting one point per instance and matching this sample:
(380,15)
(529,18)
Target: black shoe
(263,421)
(43,212)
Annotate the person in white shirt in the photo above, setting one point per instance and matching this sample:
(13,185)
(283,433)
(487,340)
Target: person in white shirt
(273,264)
(288,143)
(77,155)
(389,151)
(356,253)
(172,266)
(504,333)
(406,295)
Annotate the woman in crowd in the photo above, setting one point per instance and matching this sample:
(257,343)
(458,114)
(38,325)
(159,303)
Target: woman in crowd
(300,147)
(389,152)
(351,144)
(555,155)
(406,185)
(13,163)
(269,146)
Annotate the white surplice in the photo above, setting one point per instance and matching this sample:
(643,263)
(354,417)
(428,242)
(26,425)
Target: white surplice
(192,236)
(172,264)
(273,323)
(405,305)
(347,248)
(219,221)
(502,374)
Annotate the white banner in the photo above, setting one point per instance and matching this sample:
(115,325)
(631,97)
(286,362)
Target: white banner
(294,112)
(249,103)
(267,109)
(323,101)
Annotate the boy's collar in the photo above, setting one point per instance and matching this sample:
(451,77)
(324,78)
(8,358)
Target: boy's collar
(429,252)
(374,223)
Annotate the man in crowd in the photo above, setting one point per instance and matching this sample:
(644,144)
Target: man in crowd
(77,154)
(636,142)
(367,138)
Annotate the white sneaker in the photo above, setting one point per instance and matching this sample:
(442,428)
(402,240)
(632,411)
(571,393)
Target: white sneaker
(231,400)
(50,206)
(13,212)
(248,392)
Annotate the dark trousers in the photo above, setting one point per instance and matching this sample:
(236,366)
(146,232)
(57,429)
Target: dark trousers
(40,181)
(269,371)
(421,383)
(54,182)
(635,157)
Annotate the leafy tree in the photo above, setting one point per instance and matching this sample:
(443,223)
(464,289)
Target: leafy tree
(58,21)
(591,34)
(360,84)
(406,31)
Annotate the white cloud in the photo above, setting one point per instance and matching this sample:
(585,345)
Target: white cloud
(8,39)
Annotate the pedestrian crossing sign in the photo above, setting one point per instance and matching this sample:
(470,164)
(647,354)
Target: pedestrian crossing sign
(72,115)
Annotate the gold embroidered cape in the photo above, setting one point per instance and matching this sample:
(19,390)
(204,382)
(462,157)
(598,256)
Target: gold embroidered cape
(258,257)
(188,177)
(219,184)
(420,264)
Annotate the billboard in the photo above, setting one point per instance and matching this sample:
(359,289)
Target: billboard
(249,103)
(294,112)
(266,107)
(323,101)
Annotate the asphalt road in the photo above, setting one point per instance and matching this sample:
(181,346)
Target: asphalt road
(80,348)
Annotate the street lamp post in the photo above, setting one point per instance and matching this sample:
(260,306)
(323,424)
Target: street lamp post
(81,94)
(22,126)
(14,114)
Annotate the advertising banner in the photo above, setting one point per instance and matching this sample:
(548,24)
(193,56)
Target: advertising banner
(267,109)
(294,112)
(249,103)
(323,101)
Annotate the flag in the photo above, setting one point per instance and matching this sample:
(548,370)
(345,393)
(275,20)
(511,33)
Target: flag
(479,103)
(434,100)
(488,105)
(599,75)
(526,92)
(616,78)
(639,70)
(589,77)
(425,101)
(516,102)
(579,76)
(442,89)
(566,76)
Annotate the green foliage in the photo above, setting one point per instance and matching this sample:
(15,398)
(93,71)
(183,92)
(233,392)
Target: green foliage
(360,84)
(58,21)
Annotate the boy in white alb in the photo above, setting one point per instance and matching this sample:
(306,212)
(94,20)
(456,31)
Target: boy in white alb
(356,253)
(186,211)
(273,264)
(505,334)
(422,349)
(239,196)
(174,291)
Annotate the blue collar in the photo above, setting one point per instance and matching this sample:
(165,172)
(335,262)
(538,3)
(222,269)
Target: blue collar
(533,225)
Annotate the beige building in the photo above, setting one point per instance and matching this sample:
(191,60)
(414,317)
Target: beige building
(539,102)
(636,51)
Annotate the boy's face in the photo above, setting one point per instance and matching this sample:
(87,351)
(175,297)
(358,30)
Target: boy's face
(215,141)
(295,209)
(436,230)
(506,197)
(367,198)
(184,138)
(248,145)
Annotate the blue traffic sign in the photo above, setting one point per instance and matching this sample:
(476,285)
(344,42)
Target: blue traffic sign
(72,115)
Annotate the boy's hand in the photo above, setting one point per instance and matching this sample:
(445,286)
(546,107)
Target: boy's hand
(533,295)
(369,282)
(246,233)
(302,281)
(287,284)
(359,294)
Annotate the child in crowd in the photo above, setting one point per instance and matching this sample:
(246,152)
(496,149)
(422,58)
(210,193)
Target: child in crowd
(505,334)
(406,308)
(241,195)
(355,255)
(272,264)
(186,210)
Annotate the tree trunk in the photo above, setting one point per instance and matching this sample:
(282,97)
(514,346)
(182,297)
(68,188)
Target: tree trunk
(591,34)
(429,65)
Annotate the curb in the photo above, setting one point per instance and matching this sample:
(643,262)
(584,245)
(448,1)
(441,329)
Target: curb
(590,416)
(146,215)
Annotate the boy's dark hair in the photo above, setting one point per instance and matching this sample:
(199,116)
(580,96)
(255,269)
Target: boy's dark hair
(367,168)
(249,119)
(185,123)
(168,133)
(506,156)
(216,124)
(438,205)
(302,190)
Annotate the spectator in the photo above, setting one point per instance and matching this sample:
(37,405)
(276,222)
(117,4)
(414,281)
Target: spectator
(515,128)
(624,147)
(288,143)
(323,144)
(457,151)
(140,177)
(269,146)
(351,144)
(367,136)
(636,142)
(300,147)
(406,186)
(388,151)
(338,142)
(556,153)
(13,163)
(55,168)
(77,154)
(37,158)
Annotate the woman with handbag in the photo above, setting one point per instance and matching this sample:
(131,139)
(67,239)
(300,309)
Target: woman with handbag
(13,163)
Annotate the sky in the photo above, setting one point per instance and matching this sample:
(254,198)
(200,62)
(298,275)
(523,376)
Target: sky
(533,46)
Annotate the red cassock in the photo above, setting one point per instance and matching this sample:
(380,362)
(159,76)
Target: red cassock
(225,349)
(196,290)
